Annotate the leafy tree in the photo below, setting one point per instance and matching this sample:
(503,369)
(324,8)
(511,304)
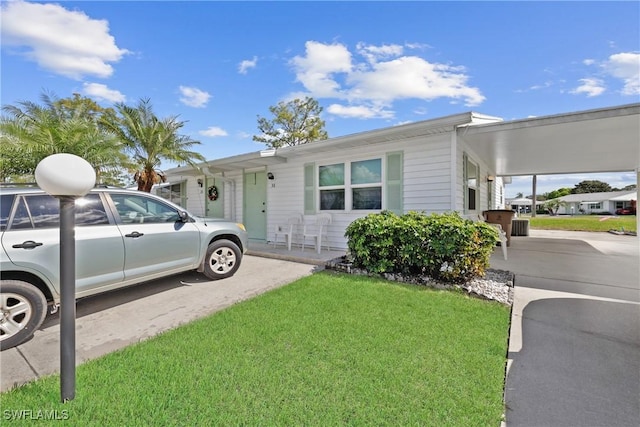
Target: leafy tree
(519,195)
(591,186)
(150,140)
(558,193)
(29,132)
(295,122)
(630,187)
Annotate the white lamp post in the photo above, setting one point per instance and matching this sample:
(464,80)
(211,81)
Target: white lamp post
(66,177)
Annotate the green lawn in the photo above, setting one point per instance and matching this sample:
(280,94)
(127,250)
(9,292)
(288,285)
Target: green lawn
(584,223)
(329,349)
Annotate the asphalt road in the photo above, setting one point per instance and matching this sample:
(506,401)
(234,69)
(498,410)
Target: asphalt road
(111,321)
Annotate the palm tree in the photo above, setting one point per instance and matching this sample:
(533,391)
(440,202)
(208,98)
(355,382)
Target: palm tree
(150,140)
(554,205)
(29,132)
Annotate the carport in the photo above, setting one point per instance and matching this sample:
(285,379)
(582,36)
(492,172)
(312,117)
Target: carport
(602,140)
(574,327)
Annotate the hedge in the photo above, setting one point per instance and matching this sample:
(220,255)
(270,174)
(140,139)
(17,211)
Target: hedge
(446,246)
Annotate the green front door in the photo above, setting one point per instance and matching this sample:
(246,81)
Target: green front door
(255,205)
(214,205)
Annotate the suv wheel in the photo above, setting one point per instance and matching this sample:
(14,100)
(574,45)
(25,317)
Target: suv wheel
(222,259)
(22,309)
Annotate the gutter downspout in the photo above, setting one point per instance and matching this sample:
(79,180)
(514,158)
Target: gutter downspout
(454,170)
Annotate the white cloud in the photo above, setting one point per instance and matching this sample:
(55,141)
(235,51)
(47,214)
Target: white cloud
(413,77)
(65,42)
(590,87)
(380,78)
(102,92)
(243,135)
(544,85)
(626,67)
(315,70)
(194,97)
(247,64)
(213,132)
(359,111)
(375,53)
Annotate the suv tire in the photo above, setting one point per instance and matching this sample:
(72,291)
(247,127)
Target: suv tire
(23,309)
(222,260)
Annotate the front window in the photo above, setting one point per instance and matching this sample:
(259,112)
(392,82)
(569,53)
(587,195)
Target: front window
(366,184)
(173,193)
(362,191)
(332,188)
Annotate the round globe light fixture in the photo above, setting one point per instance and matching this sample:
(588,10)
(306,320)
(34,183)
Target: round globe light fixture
(65,174)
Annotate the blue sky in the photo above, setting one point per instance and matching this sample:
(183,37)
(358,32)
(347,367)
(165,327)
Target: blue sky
(218,65)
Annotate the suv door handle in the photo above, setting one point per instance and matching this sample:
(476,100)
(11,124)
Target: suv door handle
(134,234)
(29,244)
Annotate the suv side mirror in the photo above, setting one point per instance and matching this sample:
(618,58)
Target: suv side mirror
(184,216)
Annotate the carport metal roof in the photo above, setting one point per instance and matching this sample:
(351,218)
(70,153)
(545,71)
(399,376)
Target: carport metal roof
(603,140)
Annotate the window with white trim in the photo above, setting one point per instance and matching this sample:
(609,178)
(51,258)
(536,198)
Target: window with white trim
(361,191)
(471,175)
(332,187)
(173,193)
(366,184)
(355,186)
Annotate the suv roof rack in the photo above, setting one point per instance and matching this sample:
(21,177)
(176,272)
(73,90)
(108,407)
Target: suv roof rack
(18,184)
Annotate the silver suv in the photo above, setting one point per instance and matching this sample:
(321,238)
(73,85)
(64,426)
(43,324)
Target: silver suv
(123,237)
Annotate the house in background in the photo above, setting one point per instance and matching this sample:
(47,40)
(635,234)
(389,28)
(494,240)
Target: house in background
(413,167)
(598,203)
(454,163)
(520,205)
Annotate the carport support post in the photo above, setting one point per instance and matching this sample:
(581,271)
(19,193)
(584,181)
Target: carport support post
(534,185)
(67,299)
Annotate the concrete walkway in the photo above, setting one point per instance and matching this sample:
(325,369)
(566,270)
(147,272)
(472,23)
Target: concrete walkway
(574,348)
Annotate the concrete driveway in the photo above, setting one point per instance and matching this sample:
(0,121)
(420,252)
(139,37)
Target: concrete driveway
(574,348)
(112,321)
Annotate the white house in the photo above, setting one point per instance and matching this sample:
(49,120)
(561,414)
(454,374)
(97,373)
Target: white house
(588,203)
(454,163)
(520,204)
(419,166)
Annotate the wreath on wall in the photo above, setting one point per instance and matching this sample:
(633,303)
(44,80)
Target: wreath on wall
(213,193)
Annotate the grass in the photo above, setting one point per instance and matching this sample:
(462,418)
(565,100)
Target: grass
(328,349)
(584,223)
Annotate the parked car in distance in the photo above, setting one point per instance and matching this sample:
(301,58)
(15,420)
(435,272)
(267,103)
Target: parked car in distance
(626,211)
(123,237)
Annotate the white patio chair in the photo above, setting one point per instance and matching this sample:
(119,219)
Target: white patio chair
(501,233)
(316,231)
(287,230)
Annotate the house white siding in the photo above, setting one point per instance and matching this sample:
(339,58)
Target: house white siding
(426,182)
(483,186)
(432,180)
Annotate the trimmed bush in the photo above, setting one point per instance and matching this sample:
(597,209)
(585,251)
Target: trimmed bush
(446,247)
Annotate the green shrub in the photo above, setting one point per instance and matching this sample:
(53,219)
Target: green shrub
(442,246)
